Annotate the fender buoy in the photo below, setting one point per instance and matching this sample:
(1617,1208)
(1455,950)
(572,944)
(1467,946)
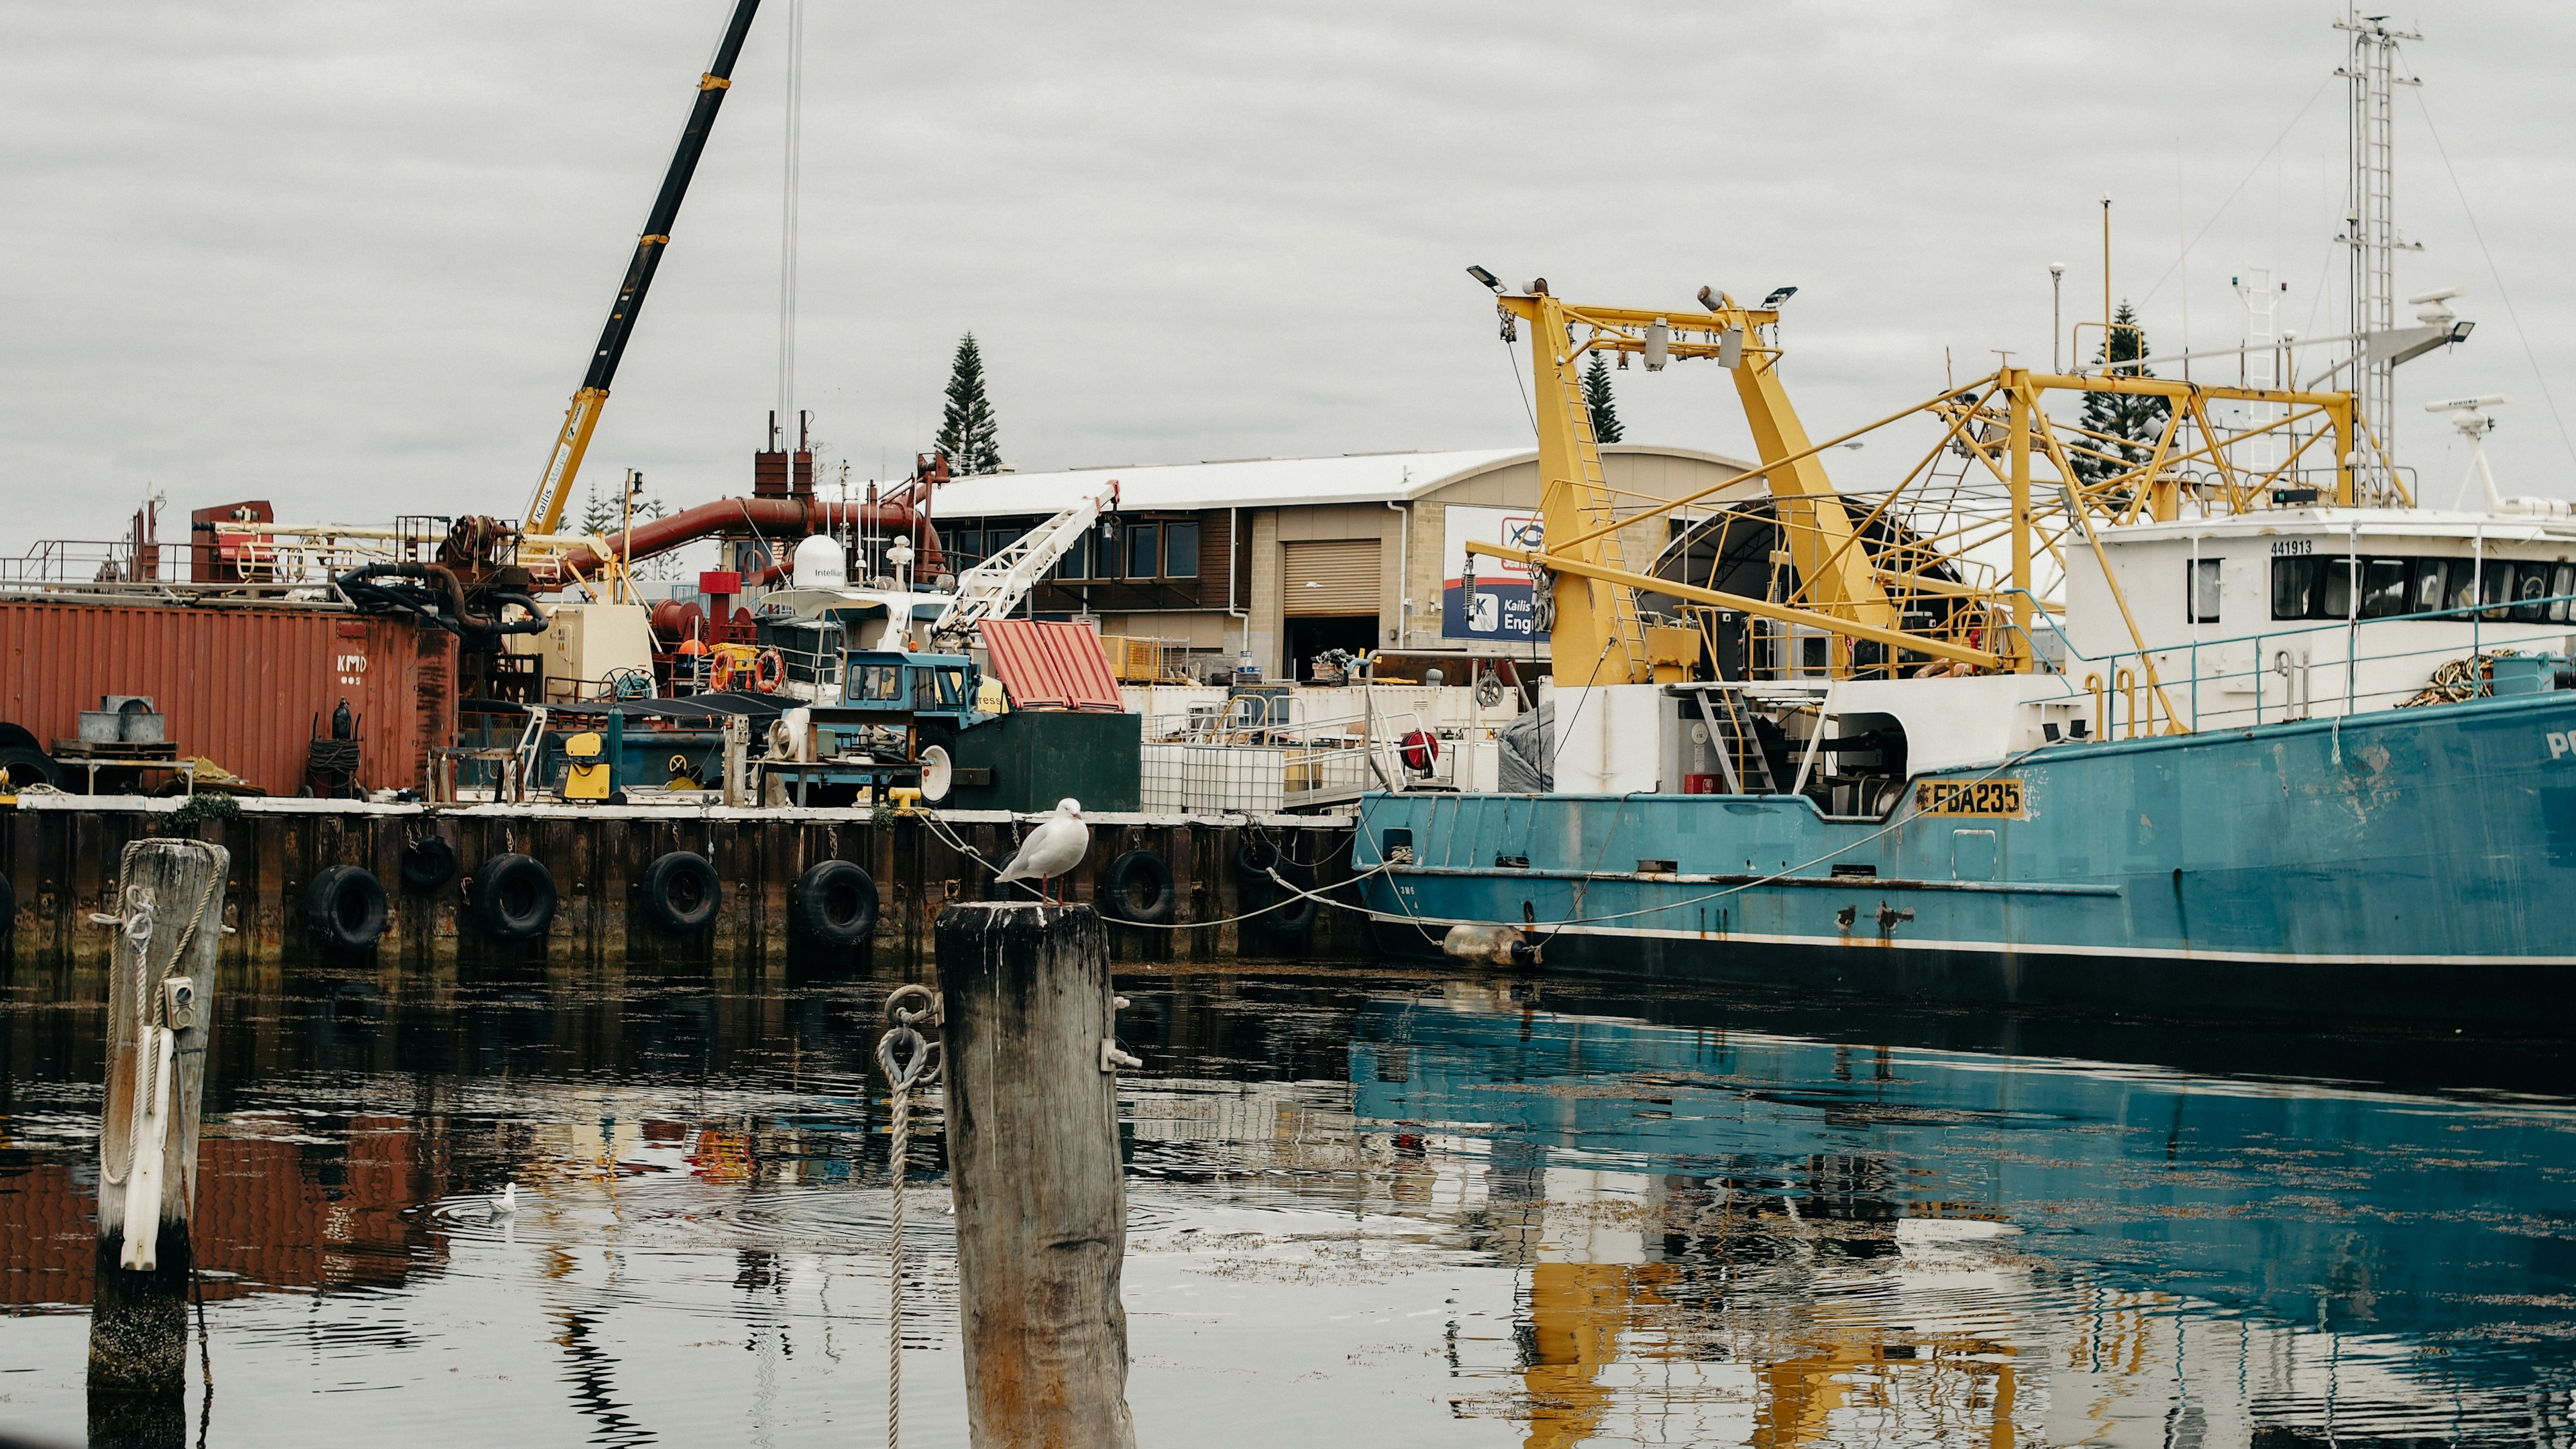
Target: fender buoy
(682,892)
(428,863)
(344,907)
(769,671)
(1421,752)
(1138,887)
(835,902)
(514,896)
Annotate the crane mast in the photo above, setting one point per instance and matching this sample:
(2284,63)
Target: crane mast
(554,487)
(991,589)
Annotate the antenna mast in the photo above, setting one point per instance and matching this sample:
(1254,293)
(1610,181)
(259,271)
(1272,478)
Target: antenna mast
(2370,230)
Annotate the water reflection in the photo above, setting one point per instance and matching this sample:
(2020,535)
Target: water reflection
(1366,1209)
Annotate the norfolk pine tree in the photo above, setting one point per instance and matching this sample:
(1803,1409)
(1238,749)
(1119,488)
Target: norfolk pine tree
(2125,425)
(1598,402)
(967,433)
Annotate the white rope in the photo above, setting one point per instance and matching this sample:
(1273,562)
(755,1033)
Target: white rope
(909,1061)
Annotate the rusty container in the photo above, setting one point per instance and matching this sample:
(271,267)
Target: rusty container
(244,688)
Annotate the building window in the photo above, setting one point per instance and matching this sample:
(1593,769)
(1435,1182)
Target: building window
(1180,550)
(1140,551)
(2204,590)
(1104,562)
(1076,563)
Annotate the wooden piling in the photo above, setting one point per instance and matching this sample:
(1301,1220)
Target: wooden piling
(1040,1192)
(160,1004)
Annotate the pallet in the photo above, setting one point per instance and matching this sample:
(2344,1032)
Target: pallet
(114,752)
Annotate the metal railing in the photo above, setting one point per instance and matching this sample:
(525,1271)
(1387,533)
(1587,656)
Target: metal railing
(2191,681)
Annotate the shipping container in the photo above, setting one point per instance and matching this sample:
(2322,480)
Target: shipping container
(245,688)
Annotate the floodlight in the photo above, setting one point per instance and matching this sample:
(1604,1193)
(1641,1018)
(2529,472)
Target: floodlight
(1491,282)
(1778,296)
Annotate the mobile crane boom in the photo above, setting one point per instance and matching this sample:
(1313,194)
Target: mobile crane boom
(554,488)
(991,589)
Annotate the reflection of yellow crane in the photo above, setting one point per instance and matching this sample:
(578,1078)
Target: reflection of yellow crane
(554,488)
(1859,566)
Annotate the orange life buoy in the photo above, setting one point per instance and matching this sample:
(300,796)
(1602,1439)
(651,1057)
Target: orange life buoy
(769,671)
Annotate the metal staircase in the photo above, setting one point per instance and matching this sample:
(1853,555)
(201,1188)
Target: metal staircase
(1740,757)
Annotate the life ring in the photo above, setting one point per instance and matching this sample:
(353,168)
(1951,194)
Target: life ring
(1119,888)
(769,671)
(428,863)
(835,903)
(682,892)
(1421,752)
(514,896)
(727,663)
(344,907)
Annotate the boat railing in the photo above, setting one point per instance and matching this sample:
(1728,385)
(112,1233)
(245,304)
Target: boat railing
(2278,675)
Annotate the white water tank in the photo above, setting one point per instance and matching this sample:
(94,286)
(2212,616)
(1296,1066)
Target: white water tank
(820,564)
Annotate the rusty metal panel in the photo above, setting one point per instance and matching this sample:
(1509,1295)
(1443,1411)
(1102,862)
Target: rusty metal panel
(241,687)
(1049,664)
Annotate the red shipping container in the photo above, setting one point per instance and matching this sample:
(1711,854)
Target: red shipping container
(242,687)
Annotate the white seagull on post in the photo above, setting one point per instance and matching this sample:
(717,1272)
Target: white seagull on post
(1052,850)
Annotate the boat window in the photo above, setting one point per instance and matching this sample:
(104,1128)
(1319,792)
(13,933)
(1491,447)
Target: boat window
(2383,588)
(2294,587)
(2496,587)
(2432,585)
(2533,587)
(952,687)
(2336,600)
(881,682)
(2204,590)
(2561,585)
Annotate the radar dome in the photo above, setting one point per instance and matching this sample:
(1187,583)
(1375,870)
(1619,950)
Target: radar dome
(820,564)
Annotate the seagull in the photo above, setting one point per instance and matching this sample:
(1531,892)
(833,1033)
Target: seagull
(507,1204)
(1052,850)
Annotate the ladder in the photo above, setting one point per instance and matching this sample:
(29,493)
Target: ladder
(1595,499)
(1739,754)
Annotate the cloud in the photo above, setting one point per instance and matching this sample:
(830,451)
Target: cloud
(353,259)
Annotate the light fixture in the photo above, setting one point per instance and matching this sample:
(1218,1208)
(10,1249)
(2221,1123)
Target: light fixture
(1778,296)
(1712,299)
(1489,280)
(1659,340)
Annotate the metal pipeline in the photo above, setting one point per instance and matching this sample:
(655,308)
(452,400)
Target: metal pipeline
(775,518)
(461,617)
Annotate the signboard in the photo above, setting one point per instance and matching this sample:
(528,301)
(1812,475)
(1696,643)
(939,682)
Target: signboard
(1497,610)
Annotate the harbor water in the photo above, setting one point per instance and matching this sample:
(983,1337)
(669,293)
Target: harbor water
(1368,1206)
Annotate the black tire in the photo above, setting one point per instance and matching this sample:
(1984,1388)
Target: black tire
(1291,921)
(513,896)
(835,903)
(428,863)
(682,892)
(8,911)
(344,908)
(1119,891)
(28,766)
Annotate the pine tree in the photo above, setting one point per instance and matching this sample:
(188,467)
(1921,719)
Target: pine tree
(1598,402)
(967,433)
(599,515)
(2126,425)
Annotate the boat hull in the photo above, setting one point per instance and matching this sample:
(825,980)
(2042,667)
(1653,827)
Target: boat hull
(2409,864)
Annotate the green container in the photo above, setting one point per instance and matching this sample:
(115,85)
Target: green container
(1037,757)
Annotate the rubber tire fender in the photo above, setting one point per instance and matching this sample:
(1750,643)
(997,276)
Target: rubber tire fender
(28,765)
(428,863)
(1116,890)
(1289,922)
(513,896)
(682,875)
(344,908)
(814,906)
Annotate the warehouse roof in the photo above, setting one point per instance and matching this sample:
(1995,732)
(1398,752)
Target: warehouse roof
(1251,482)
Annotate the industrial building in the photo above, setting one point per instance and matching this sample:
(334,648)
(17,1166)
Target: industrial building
(1285,559)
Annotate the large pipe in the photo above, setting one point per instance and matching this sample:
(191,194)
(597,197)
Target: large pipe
(781,519)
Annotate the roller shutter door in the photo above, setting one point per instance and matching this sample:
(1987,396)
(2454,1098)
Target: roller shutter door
(1343,573)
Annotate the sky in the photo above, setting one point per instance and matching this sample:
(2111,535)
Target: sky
(352,258)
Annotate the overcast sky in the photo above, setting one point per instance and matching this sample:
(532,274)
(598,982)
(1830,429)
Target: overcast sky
(352,257)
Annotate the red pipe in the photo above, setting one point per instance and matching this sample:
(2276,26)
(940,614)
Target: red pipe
(783,521)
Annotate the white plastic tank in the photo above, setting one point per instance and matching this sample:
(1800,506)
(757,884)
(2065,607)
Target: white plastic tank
(820,564)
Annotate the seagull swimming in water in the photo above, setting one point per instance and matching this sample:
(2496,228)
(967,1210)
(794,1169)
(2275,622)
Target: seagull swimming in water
(1052,850)
(507,1204)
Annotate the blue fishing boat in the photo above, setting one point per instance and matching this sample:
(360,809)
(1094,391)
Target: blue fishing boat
(2132,691)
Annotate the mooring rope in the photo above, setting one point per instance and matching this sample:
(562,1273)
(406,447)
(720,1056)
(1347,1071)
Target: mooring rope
(1291,892)
(909,1061)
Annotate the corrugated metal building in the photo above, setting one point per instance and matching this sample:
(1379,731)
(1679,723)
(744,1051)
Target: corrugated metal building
(244,687)
(1285,558)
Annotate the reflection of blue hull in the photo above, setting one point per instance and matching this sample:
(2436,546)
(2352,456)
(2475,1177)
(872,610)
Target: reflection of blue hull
(2409,863)
(2440,1220)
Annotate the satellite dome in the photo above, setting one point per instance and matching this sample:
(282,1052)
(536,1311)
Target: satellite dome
(820,564)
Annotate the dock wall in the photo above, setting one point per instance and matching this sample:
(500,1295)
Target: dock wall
(61,865)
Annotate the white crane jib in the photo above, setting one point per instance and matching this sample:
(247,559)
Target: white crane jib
(991,589)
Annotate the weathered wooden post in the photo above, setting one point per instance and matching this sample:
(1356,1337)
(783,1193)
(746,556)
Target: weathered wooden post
(1033,1159)
(160,999)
